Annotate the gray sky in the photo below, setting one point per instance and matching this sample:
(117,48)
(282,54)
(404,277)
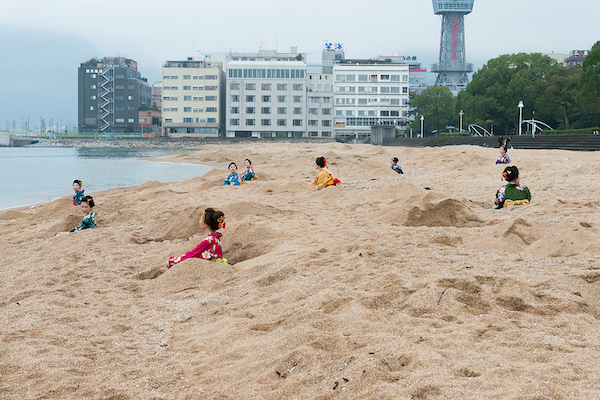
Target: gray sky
(42,43)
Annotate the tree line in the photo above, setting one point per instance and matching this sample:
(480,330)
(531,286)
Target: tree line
(564,98)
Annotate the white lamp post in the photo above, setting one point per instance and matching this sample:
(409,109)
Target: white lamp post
(422,119)
(461,113)
(521,105)
(534,127)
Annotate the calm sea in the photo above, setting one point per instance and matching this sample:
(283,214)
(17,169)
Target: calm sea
(41,174)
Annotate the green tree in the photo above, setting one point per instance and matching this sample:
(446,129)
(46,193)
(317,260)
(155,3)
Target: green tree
(558,98)
(497,88)
(436,104)
(43,125)
(14,125)
(589,84)
(7,125)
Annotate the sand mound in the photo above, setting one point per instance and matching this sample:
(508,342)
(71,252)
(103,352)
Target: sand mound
(242,209)
(192,277)
(521,231)
(468,160)
(248,240)
(331,157)
(169,226)
(449,212)
(7,215)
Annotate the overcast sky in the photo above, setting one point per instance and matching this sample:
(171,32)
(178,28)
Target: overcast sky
(42,43)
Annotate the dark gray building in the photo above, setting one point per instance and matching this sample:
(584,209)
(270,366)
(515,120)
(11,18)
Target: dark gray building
(111,92)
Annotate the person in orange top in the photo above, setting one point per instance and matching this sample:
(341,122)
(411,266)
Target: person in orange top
(325,178)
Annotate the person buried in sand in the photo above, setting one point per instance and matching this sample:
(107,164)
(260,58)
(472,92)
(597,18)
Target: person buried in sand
(503,158)
(78,192)
(209,248)
(89,221)
(513,193)
(233,178)
(395,167)
(325,178)
(248,174)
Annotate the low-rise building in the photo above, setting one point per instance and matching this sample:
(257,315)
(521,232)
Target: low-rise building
(319,105)
(193,99)
(576,57)
(266,99)
(369,92)
(150,123)
(110,92)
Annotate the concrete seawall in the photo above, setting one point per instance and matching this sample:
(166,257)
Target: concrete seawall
(9,140)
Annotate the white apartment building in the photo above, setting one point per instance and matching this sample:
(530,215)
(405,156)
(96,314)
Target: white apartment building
(266,99)
(369,92)
(193,99)
(319,105)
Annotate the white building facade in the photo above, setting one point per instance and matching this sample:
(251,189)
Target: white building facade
(319,105)
(369,92)
(266,99)
(193,99)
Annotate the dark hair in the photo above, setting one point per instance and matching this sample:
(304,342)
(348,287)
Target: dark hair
(395,159)
(214,219)
(321,162)
(510,173)
(247,159)
(88,200)
(505,148)
(230,164)
(77,181)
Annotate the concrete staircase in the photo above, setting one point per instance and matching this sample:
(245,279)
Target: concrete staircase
(548,142)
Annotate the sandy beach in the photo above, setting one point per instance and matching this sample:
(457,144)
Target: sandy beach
(386,287)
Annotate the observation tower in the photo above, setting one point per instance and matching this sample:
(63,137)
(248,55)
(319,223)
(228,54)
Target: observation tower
(452,69)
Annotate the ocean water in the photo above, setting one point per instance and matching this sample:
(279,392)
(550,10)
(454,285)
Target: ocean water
(31,175)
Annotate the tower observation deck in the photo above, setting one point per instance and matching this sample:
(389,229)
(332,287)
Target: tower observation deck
(452,68)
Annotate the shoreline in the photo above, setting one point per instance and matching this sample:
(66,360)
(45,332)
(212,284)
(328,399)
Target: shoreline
(167,143)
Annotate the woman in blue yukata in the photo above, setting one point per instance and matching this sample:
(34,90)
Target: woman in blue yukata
(233,179)
(248,174)
(78,192)
(89,221)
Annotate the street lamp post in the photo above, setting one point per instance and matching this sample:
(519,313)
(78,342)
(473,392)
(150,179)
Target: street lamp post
(461,113)
(422,119)
(534,127)
(521,105)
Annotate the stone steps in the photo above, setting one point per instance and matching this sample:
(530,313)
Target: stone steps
(546,142)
